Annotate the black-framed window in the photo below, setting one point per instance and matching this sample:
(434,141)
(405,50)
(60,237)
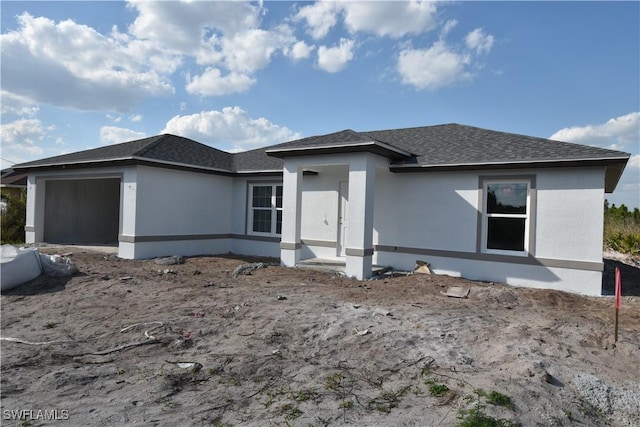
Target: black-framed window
(265,209)
(506,216)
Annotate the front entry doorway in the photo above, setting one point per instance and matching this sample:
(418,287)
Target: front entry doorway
(343,218)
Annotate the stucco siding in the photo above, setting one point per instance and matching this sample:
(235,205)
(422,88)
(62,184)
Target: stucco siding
(426,210)
(569,222)
(172,202)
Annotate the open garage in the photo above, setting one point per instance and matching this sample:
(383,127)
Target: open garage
(82,211)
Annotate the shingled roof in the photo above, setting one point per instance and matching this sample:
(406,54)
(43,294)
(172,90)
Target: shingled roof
(166,149)
(440,147)
(459,147)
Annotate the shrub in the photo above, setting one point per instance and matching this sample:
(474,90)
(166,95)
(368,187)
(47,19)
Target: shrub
(13,219)
(622,229)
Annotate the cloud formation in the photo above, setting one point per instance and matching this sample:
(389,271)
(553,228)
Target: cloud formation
(432,68)
(618,133)
(334,59)
(231,126)
(116,135)
(384,18)
(213,83)
(85,70)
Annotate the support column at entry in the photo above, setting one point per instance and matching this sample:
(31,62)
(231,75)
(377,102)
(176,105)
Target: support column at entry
(290,243)
(362,171)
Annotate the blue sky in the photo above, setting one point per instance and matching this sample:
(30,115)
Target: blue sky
(237,76)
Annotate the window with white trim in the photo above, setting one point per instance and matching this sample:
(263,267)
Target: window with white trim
(265,209)
(506,217)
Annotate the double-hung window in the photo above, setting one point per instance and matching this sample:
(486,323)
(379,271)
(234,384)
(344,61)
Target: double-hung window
(265,209)
(506,216)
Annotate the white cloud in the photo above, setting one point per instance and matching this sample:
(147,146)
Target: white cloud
(251,50)
(334,59)
(181,25)
(618,133)
(448,26)
(84,69)
(387,18)
(213,83)
(22,136)
(135,117)
(383,18)
(116,135)
(479,41)
(433,68)
(320,16)
(300,50)
(15,104)
(232,127)
(215,33)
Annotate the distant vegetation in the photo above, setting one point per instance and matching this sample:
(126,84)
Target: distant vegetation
(13,218)
(622,228)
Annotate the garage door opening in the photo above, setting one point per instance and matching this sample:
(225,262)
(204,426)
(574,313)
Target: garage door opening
(83,211)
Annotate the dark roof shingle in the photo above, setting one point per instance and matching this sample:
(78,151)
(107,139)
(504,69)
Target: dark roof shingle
(440,146)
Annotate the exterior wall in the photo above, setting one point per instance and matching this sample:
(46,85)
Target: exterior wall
(426,210)
(570,214)
(428,216)
(434,217)
(178,212)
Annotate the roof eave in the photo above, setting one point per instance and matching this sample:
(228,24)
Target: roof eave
(614,166)
(375,147)
(123,161)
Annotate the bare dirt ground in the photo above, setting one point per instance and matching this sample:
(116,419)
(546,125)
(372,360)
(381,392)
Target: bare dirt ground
(135,343)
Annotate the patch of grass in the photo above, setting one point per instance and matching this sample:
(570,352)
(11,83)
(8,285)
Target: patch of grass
(304,395)
(215,371)
(476,417)
(335,382)
(290,412)
(498,399)
(347,404)
(389,399)
(219,423)
(271,397)
(436,389)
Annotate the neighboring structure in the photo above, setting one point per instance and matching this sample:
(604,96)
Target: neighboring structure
(483,204)
(12,183)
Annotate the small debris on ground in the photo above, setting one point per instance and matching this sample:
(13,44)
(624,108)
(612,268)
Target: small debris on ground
(172,260)
(422,267)
(457,292)
(246,269)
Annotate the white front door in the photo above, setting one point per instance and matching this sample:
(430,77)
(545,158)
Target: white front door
(343,217)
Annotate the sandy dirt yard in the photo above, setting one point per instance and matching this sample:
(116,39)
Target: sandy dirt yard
(136,343)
